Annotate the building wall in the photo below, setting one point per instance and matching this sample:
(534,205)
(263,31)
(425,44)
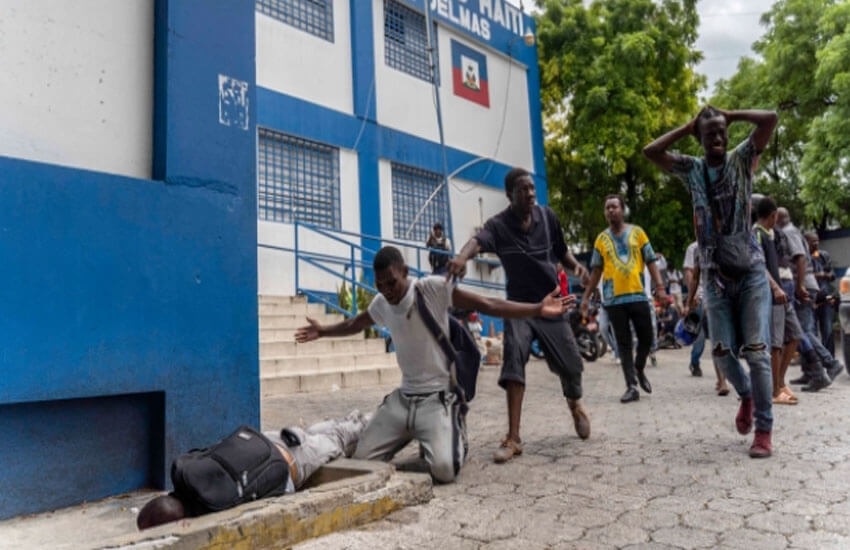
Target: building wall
(129,325)
(77,89)
(384,115)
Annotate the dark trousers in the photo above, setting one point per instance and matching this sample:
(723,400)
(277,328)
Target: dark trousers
(824,315)
(639,316)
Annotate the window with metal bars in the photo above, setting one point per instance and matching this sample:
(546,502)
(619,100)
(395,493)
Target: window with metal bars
(313,16)
(411,189)
(406,40)
(297,179)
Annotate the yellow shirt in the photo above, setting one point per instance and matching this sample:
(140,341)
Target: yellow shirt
(622,259)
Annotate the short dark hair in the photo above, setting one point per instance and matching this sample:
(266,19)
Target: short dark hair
(386,257)
(619,198)
(162,509)
(705,113)
(765,207)
(512,177)
(437,225)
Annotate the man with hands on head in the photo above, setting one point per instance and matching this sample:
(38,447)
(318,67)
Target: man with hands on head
(738,306)
(529,241)
(424,408)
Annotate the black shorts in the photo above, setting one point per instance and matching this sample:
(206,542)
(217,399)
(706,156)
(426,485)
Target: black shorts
(558,344)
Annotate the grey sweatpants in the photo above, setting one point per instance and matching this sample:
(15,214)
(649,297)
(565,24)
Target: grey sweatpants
(321,443)
(434,420)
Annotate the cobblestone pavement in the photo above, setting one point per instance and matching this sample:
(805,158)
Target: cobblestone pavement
(668,471)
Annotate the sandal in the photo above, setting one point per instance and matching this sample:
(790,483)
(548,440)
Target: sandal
(724,390)
(791,397)
(784,399)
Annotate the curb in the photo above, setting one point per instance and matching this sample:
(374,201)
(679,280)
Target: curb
(347,493)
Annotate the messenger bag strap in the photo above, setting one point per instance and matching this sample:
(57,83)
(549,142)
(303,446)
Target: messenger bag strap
(438,334)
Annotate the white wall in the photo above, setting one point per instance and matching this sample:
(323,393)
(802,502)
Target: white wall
(77,89)
(502,131)
(839,249)
(297,63)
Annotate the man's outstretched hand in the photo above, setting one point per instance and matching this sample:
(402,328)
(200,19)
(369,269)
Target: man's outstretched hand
(455,269)
(554,305)
(308,333)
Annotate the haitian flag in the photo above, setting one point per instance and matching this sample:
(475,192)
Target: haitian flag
(469,74)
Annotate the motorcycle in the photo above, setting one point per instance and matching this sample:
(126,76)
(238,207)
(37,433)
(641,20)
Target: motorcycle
(590,343)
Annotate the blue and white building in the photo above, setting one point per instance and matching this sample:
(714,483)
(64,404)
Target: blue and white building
(153,155)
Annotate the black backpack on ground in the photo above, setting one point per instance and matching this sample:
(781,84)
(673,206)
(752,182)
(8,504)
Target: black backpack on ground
(242,467)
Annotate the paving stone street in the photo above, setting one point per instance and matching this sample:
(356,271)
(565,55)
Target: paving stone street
(668,471)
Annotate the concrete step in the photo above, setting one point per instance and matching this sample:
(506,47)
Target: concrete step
(324,363)
(295,308)
(276,349)
(271,386)
(295,320)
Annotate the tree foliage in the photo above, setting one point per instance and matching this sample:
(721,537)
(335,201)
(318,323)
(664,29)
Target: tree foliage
(804,73)
(616,74)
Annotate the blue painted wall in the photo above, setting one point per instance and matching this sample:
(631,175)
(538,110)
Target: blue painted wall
(129,307)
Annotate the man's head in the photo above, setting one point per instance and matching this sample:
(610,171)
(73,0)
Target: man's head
(813,240)
(710,131)
(615,210)
(390,274)
(519,187)
(783,218)
(162,509)
(438,229)
(767,212)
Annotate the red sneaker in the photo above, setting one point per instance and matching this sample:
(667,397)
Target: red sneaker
(761,447)
(744,419)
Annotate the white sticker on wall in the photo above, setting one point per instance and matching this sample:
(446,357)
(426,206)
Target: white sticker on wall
(232,102)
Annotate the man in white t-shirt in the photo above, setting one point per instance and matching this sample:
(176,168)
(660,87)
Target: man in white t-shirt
(423,408)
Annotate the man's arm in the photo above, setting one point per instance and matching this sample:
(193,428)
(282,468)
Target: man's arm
(800,275)
(657,150)
(570,262)
(456,268)
(552,305)
(593,280)
(350,326)
(779,296)
(693,284)
(765,122)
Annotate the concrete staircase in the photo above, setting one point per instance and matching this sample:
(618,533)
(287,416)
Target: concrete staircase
(324,365)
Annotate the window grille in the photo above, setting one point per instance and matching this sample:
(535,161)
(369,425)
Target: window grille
(406,40)
(411,187)
(297,179)
(313,16)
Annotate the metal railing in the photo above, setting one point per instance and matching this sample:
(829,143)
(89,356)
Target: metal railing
(344,267)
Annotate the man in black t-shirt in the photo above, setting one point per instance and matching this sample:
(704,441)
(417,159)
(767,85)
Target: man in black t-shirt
(529,242)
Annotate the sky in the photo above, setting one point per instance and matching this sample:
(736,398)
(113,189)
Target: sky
(727,30)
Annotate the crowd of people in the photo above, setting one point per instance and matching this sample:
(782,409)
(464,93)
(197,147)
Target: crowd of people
(757,286)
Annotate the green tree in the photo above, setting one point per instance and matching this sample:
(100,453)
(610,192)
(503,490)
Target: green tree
(615,74)
(804,74)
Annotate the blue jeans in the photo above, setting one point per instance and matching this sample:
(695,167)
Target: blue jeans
(806,315)
(699,343)
(739,317)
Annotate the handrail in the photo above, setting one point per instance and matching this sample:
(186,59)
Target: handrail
(344,266)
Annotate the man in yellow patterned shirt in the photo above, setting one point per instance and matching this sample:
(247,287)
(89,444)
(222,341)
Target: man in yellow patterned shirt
(619,256)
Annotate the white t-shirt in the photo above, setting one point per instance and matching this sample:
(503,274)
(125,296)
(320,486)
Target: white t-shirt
(424,368)
(691,258)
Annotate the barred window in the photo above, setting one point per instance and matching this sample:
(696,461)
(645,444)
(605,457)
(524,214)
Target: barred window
(406,40)
(297,179)
(313,16)
(411,188)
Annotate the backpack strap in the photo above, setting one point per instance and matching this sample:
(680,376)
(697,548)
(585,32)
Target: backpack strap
(438,334)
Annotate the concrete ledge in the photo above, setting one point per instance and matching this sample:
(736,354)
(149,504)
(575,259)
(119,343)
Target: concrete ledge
(341,495)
